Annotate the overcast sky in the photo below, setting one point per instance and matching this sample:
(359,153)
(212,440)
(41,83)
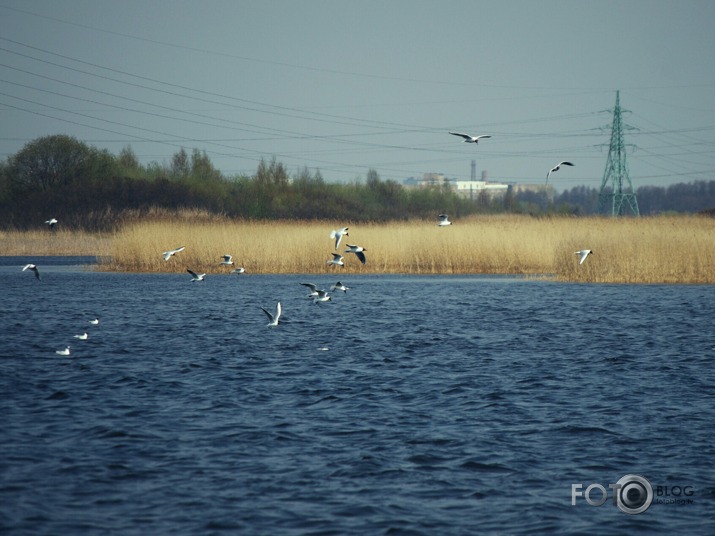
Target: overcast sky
(348,86)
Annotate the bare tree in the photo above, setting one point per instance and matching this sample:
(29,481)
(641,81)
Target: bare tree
(47,162)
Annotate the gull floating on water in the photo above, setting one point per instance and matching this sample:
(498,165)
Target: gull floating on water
(583,253)
(66,351)
(238,271)
(171,253)
(195,276)
(444,220)
(82,337)
(33,268)
(227,260)
(338,235)
(51,222)
(94,322)
(339,286)
(556,168)
(337,260)
(358,250)
(273,319)
(468,138)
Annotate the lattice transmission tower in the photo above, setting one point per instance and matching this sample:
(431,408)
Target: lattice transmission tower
(618,201)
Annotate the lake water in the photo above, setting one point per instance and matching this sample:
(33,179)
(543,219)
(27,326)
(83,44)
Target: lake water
(409,405)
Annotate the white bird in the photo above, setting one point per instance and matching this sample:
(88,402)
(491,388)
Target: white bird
(321,297)
(443,220)
(273,319)
(339,286)
(94,322)
(358,250)
(195,276)
(171,253)
(51,222)
(82,337)
(66,351)
(556,168)
(33,268)
(227,260)
(338,235)
(468,138)
(238,271)
(337,260)
(583,254)
(313,289)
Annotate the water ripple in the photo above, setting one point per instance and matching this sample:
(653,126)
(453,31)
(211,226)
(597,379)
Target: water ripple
(189,416)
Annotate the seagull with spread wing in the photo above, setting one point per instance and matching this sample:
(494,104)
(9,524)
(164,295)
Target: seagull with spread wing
(470,139)
(556,168)
(168,254)
(33,268)
(273,319)
(583,255)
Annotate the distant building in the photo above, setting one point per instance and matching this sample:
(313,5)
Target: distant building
(471,189)
(434,179)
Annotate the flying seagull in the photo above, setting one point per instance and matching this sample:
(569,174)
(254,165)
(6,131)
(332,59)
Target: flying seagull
(238,271)
(273,319)
(556,168)
(313,289)
(337,260)
(82,337)
(339,286)
(33,268)
(51,222)
(195,276)
(66,351)
(171,253)
(322,296)
(227,260)
(583,254)
(444,220)
(468,138)
(358,250)
(338,235)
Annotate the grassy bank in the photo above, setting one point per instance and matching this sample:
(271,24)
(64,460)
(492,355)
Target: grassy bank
(644,250)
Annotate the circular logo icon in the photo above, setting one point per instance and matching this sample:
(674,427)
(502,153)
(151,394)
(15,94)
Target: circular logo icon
(634,494)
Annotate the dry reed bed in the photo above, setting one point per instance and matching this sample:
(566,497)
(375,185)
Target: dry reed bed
(644,250)
(58,242)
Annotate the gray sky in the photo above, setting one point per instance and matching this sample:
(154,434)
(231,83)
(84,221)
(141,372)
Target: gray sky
(346,86)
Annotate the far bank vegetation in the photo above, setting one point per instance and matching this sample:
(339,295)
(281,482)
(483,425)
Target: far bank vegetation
(126,214)
(90,189)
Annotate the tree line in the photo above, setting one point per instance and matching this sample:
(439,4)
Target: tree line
(89,188)
(693,197)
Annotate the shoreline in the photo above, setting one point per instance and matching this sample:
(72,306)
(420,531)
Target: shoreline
(653,250)
(525,277)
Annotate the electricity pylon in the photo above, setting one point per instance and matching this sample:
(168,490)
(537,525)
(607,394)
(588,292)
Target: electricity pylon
(617,172)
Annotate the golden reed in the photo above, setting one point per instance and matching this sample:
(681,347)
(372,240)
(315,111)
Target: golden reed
(54,242)
(663,249)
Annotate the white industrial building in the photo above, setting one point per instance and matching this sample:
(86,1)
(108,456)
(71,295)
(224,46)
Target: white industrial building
(472,189)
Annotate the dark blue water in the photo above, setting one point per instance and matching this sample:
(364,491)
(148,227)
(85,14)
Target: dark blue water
(443,405)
